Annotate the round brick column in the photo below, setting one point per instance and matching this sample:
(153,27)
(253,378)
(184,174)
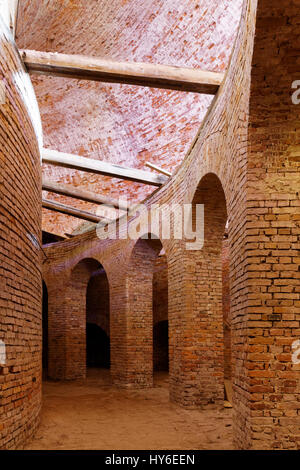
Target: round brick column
(20,254)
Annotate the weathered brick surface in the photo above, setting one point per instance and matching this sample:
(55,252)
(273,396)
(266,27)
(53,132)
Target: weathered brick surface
(20,255)
(226,309)
(268,385)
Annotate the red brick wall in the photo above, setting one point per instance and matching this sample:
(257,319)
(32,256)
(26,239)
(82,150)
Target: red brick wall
(20,255)
(269,382)
(226,309)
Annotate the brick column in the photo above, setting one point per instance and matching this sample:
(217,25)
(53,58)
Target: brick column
(266,297)
(195,307)
(132,318)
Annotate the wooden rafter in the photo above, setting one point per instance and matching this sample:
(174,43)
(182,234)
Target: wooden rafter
(68,210)
(142,74)
(103,168)
(14,16)
(158,168)
(77,193)
(9,13)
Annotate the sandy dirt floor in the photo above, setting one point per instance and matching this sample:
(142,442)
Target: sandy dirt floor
(93,414)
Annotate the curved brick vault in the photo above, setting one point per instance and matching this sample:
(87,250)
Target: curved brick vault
(123,124)
(244,166)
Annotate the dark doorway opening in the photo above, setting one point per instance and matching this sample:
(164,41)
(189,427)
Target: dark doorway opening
(97,347)
(97,321)
(161,346)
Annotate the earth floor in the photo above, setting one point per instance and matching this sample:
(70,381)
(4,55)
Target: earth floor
(94,414)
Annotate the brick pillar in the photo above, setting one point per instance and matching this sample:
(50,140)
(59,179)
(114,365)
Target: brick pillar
(132,319)
(195,307)
(56,328)
(267,389)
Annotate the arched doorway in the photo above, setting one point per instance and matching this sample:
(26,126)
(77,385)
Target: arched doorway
(88,322)
(160,317)
(97,321)
(205,328)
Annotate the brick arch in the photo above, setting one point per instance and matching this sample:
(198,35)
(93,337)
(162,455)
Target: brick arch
(67,321)
(76,323)
(197,315)
(211,194)
(208,296)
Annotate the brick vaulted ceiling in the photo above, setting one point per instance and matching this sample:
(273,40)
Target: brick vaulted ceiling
(123,124)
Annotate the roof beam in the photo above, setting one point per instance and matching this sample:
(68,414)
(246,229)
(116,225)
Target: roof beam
(135,73)
(102,168)
(9,13)
(158,168)
(68,210)
(71,191)
(14,16)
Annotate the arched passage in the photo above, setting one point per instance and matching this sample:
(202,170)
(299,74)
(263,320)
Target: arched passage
(209,290)
(160,314)
(97,321)
(195,300)
(84,306)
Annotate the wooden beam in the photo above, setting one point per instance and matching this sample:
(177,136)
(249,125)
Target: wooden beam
(9,13)
(68,210)
(103,168)
(14,16)
(142,74)
(71,191)
(157,168)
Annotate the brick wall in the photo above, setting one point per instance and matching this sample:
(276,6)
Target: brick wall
(226,309)
(269,381)
(20,255)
